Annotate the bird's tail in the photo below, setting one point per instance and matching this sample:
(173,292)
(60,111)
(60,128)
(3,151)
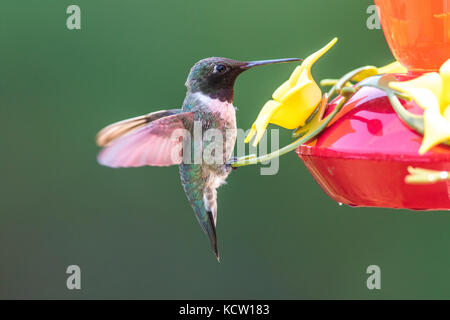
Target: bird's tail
(201,201)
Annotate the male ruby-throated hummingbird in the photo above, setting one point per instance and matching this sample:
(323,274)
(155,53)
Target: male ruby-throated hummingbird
(149,140)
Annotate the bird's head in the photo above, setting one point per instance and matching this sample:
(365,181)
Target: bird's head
(215,77)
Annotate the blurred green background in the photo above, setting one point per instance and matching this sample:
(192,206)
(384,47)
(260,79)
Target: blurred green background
(132,231)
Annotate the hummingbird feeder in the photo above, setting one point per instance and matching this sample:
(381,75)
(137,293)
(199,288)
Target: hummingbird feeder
(383,141)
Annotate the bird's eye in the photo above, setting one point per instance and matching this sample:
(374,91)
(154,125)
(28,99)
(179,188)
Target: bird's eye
(220,68)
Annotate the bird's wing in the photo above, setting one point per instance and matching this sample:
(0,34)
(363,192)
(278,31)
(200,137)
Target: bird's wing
(118,129)
(158,143)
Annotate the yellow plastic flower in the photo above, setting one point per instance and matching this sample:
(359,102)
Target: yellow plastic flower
(432,92)
(293,102)
(426,176)
(394,67)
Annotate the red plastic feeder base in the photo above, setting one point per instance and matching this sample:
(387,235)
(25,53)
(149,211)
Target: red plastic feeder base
(361,159)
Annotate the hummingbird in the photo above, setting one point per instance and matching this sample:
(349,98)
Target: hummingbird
(150,140)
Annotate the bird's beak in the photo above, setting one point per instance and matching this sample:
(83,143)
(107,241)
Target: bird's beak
(251,64)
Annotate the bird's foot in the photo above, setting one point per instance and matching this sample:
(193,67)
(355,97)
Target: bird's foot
(229,165)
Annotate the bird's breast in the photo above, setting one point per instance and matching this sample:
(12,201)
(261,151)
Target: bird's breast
(216,114)
(225,112)
(222,111)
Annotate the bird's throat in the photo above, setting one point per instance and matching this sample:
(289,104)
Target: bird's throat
(224,109)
